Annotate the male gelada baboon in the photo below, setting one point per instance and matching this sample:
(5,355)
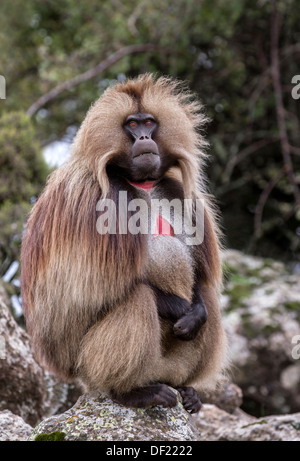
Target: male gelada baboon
(128,311)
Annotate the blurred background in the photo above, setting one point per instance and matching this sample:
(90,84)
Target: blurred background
(241,58)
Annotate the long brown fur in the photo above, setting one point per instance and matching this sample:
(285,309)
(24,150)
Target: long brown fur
(87,306)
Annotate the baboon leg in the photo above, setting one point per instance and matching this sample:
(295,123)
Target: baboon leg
(122,351)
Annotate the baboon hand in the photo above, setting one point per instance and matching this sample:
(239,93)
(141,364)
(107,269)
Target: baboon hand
(187,327)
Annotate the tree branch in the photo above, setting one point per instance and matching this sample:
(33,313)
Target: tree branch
(280,112)
(101,67)
(245,152)
(261,203)
(295,150)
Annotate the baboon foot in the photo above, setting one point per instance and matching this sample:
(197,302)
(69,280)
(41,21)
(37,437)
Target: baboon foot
(190,399)
(147,396)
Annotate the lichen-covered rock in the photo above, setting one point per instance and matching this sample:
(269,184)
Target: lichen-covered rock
(227,396)
(25,388)
(215,424)
(261,311)
(13,427)
(95,417)
(60,396)
(22,384)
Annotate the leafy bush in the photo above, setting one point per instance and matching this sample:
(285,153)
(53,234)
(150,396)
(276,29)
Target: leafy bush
(23,172)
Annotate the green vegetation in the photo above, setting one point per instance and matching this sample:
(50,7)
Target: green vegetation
(56,436)
(22,174)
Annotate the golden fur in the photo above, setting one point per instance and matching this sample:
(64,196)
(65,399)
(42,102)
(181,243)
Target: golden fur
(87,308)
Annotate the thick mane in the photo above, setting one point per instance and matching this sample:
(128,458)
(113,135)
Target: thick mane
(180,118)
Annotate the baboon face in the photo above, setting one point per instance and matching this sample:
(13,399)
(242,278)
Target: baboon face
(145,159)
(139,130)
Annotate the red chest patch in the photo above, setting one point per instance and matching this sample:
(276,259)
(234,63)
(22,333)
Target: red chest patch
(162,227)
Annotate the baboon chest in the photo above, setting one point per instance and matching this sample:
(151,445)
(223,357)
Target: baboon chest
(170,265)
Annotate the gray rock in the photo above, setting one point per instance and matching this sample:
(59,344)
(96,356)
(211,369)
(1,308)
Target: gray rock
(261,312)
(227,396)
(22,384)
(25,388)
(215,424)
(13,427)
(95,417)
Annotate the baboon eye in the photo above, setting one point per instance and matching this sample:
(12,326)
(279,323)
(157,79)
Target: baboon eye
(148,122)
(132,124)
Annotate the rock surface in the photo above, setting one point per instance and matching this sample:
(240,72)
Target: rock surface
(227,396)
(13,428)
(22,383)
(25,388)
(95,417)
(261,312)
(215,424)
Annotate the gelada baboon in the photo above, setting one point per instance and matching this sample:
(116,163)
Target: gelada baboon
(128,311)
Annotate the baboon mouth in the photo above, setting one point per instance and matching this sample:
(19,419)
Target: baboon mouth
(146,185)
(145,153)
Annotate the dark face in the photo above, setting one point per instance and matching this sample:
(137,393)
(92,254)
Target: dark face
(145,161)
